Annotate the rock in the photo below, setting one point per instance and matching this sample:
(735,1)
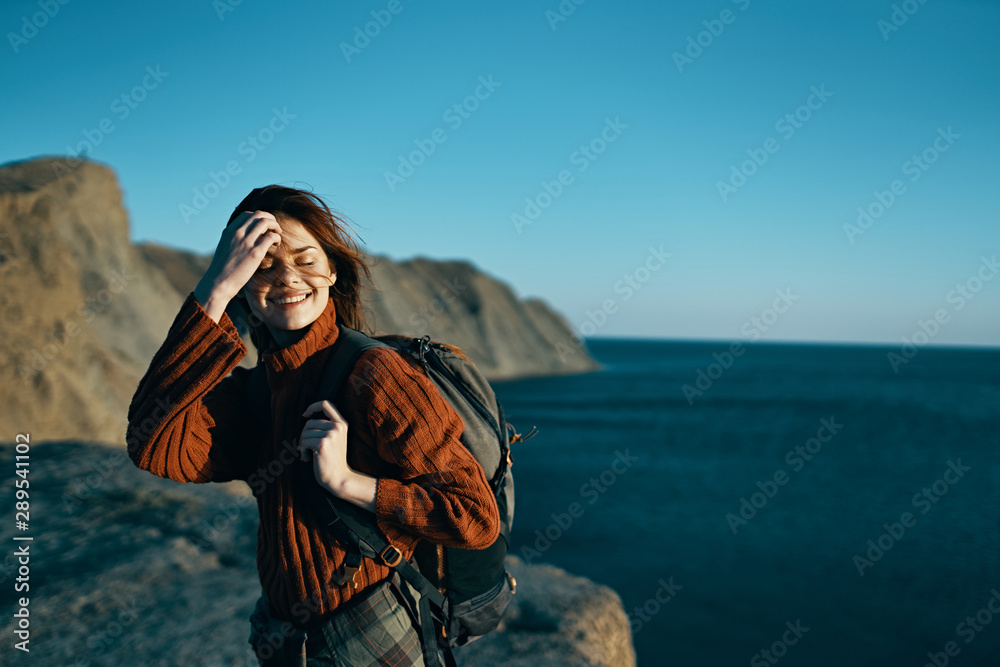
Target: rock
(85,310)
(555,618)
(456,303)
(127,568)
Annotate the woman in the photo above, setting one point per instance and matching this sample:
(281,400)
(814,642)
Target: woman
(388,442)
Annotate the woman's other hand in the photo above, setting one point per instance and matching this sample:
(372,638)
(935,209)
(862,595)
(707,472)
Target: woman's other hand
(241,249)
(326,437)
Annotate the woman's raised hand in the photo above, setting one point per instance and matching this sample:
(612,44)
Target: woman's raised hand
(243,245)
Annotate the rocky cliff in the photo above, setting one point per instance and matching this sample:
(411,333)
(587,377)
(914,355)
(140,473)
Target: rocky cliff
(82,311)
(85,309)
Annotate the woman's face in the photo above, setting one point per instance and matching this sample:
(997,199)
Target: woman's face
(291,288)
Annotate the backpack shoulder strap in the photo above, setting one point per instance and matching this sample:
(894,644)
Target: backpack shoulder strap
(348,347)
(359,526)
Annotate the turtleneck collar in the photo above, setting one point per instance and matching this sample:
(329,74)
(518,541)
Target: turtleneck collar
(320,334)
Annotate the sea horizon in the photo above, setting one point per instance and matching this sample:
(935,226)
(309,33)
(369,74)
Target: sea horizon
(771,342)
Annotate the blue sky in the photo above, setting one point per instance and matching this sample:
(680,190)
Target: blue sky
(713,155)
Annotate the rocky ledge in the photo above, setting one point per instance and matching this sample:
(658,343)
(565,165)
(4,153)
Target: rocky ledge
(126,568)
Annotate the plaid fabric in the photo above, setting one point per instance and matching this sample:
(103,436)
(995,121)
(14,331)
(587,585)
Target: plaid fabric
(373,629)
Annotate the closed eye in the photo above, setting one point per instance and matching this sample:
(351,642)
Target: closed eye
(271,266)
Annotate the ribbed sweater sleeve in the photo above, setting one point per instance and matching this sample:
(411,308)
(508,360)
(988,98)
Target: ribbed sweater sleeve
(187,420)
(438,492)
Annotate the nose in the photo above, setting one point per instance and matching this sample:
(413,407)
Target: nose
(286,274)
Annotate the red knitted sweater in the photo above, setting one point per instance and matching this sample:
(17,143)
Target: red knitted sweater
(188,422)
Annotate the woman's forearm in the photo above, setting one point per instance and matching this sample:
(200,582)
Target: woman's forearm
(187,418)
(211,302)
(356,488)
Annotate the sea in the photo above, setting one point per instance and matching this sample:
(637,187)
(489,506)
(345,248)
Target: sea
(793,504)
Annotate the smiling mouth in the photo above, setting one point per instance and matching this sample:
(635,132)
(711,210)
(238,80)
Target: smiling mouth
(291,300)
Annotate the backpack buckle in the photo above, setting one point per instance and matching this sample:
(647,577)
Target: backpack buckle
(391,556)
(512,582)
(521,438)
(346,575)
(423,345)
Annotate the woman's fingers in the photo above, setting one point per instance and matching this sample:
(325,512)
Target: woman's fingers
(262,222)
(326,423)
(313,434)
(238,256)
(325,408)
(260,230)
(247,220)
(255,230)
(241,250)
